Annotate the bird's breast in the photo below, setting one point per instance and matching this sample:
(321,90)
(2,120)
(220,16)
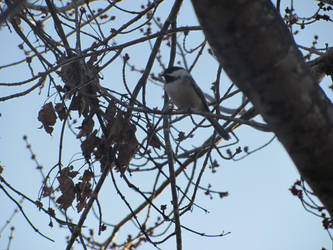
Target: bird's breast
(183,96)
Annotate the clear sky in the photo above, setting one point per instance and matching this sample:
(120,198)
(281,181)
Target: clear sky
(260,211)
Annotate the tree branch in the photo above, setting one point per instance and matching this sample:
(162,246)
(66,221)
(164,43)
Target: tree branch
(259,54)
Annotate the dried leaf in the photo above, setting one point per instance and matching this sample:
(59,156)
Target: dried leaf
(47,191)
(125,154)
(68,193)
(65,200)
(86,127)
(70,73)
(68,171)
(115,130)
(66,184)
(87,175)
(61,111)
(83,192)
(80,104)
(122,136)
(47,117)
(89,144)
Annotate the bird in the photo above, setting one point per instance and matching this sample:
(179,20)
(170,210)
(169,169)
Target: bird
(186,95)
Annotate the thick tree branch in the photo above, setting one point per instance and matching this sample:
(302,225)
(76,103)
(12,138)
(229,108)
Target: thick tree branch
(322,65)
(259,54)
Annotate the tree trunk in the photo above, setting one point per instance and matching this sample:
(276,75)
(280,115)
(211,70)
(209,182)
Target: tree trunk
(258,53)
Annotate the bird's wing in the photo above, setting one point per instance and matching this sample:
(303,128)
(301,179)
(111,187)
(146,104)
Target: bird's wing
(199,92)
(213,121)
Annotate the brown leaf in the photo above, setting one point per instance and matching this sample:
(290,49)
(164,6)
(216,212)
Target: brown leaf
(68,171)
(125,154)
(87,175)
(80,104)
(121,130)
(47,191)
(115,129)
(66,186)
(66,200)
(86,127)
(89,144)
(83,192)
(48,117)
(70,73)
(122,135)
(61,111)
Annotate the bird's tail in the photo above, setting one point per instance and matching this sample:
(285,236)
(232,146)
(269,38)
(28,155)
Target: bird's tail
(219,129)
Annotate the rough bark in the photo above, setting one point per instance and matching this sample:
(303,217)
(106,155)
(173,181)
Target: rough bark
(259,54)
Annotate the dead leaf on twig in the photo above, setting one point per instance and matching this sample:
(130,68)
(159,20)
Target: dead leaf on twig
(47,117)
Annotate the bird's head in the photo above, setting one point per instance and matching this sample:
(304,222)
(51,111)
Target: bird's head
(173,73)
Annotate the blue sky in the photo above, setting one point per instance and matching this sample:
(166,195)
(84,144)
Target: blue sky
(260,211)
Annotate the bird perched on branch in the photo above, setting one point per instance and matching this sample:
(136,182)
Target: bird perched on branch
(186,95)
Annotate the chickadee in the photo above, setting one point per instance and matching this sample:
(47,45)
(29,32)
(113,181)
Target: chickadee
(186,95)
